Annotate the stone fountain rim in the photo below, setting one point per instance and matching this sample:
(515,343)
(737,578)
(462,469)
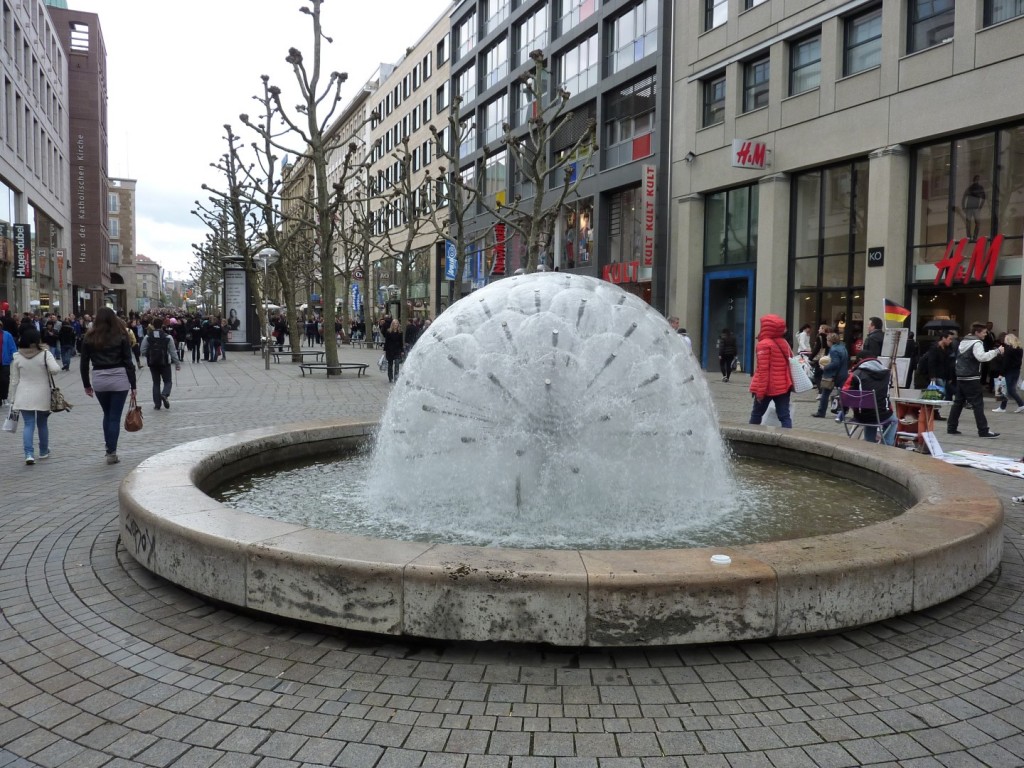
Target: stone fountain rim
(947,542)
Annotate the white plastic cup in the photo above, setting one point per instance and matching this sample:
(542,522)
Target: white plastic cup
(721,559)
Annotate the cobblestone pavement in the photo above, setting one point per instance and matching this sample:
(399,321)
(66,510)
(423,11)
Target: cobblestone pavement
(103,664)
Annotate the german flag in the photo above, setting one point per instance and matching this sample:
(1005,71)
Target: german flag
(894,313)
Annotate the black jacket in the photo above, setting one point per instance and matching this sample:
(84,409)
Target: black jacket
(394,344)
(104,358)
(873,344)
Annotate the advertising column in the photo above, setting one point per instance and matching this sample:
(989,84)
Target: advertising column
(236,300)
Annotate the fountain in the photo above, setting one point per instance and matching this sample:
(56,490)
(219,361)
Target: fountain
(569,404)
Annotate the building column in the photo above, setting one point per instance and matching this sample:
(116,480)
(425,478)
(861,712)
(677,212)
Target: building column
(686,265)
(888,198)
(771,283)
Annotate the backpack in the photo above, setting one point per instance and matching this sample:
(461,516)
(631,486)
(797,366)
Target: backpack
(156,351)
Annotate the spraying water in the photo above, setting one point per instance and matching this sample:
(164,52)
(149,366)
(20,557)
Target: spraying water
(544,408)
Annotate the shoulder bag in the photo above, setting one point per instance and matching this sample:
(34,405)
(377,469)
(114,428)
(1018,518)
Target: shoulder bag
(57,401)
(133,419)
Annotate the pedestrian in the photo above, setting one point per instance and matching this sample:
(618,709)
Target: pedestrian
(726,353)
(411,334)
(161,352)
(193,336)
(394,346)
(937,366)
(66,335)
(216,335)
(10,346)
(31,368)
(834,370)
(969,357)
(772,381)
(803,340)
(874,340)
(1012,358)
(105,348)
(872,375)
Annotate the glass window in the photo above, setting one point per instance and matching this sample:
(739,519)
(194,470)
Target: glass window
(442,95)
(532,34)
(496,63)
(633,35)
(747,4)
(578,230)
(113,203)
(467,136)
(465,36)
(805,65)
(715,13)
(465,84)
(495,115)
(1009,203)
(467,186)
(1002,10)
(572,12)
(577,67)
(495,12)
(629,123)
(929,23)
(115,253)
(714,100)
(443,47)
(755,84)
(495,176)
(730,226)
(114,226)
(972,182)
(862,42)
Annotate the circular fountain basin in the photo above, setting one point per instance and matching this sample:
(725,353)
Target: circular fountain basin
(947,541)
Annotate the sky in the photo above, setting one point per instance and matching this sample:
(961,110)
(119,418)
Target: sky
(179,71)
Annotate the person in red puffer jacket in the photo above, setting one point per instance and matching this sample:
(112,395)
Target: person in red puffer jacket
(772,380)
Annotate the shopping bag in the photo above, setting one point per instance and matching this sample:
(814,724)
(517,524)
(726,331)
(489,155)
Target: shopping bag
(801,381)
(11,422)
(771,416)
(999,386)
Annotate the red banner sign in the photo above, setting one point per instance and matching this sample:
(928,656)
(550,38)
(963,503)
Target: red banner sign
(621,272)
(499,250)
(982,265)
(650,191)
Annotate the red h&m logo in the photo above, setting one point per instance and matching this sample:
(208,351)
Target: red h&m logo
(982,265)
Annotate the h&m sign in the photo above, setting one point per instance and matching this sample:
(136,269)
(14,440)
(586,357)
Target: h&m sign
(982,265)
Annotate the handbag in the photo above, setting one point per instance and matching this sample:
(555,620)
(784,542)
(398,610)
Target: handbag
(801,381)
(57,401)
(11,422)
(826,385)
(133,419)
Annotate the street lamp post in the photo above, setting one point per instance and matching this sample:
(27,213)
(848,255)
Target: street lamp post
(208,294)
(267,256)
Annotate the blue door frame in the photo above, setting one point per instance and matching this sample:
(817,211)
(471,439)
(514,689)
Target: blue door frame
(709,335)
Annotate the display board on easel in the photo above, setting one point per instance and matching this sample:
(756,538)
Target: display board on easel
(894,346)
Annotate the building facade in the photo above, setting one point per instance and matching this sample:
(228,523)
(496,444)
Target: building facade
(121,226)
(829,155)
(35,203)
(408,103)
(89,241)
(612,58)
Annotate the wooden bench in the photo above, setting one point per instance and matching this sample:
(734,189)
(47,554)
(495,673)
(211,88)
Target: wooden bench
(303,354)
(336,368)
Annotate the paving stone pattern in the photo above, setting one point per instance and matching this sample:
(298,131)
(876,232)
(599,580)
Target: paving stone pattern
(103,664)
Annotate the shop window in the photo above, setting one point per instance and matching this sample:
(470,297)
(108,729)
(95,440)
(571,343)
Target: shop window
(577,231)
(929,22)
(714,100)
(625,226)
(730,227)
(629,123)
(755,84)
(715,13)
(633,35)
(862,42)
(997,11)
(805,65)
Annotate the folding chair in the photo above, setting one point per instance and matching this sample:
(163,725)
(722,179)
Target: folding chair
(863,401)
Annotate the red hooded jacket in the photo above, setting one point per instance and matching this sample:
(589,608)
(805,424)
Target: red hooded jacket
(771,373)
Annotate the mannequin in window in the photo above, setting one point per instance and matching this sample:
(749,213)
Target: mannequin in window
(972,203)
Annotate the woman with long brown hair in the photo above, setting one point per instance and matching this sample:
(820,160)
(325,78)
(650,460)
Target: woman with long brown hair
(107,349)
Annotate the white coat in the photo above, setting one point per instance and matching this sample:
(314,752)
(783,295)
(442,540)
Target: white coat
(30,382)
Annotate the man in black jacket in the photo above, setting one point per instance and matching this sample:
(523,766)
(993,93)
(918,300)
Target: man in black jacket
(873,341)
(969,357)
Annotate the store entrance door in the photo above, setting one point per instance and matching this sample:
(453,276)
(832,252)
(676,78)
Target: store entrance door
(728,302)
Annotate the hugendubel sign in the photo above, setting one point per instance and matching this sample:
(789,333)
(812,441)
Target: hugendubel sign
(982,265)
(22,236)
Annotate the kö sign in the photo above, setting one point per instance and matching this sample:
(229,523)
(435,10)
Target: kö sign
(982,265)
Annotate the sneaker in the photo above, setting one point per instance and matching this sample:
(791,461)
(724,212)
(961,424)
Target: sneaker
(112,458)
(953,432)
(166,402)
(29,460)
(818,415)
(44,455)
(990,433)
(1020,410)
(1000,409)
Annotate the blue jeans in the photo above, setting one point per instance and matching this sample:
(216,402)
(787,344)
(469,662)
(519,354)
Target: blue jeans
(32,419)
(1011,388)
(112,404)
(65,356)
(888,432)
(781,408)
(161,382)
